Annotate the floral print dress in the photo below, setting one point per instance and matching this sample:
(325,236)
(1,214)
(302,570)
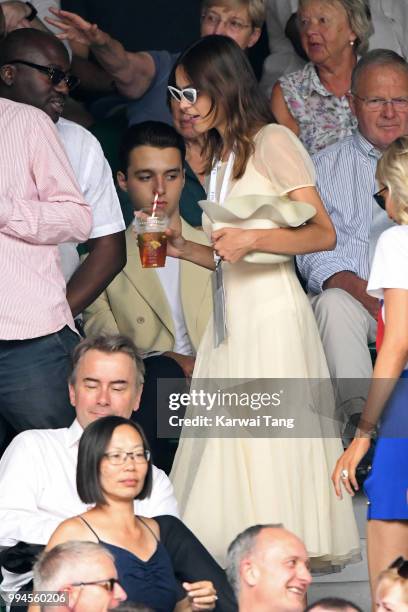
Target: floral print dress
(322,117)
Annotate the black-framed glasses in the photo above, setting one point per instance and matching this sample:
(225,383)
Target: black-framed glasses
(119,457)
(108,584)
(401,565)
(54,74)
(188,94)
(379,198)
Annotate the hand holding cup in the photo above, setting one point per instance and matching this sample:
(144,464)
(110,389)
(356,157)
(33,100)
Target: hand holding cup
(151,224)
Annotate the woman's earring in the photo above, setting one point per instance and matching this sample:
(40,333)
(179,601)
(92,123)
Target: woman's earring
(352,43)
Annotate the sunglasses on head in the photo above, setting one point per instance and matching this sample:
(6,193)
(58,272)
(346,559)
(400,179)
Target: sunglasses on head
(379,198)
(54,74)
(401,565)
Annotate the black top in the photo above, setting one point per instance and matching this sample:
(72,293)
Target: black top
(192,562)
(150,582)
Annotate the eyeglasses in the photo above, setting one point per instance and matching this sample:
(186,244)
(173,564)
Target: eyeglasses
(401,565)
(376,104)
(233,25)
(108,584)
(379,198)
(54,74)
(120,457)
(322,22)
(188,94)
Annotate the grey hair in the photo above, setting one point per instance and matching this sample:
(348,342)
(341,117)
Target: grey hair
(256,8)
(377,57)
(240,548)
(108,344)
(359,16)
(62,564)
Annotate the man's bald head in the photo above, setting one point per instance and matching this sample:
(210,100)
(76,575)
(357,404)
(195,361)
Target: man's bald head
(26,42)
(33,70)
(268,567)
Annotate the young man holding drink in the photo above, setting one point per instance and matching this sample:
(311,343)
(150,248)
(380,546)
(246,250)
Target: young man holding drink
(164,310)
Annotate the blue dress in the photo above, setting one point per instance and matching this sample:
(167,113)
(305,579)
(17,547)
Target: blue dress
(150,582)
(387,485)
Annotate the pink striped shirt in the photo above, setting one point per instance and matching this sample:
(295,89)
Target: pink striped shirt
(40,206)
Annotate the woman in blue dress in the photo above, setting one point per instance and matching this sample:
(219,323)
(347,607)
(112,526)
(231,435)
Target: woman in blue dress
(114,468)
(387,402)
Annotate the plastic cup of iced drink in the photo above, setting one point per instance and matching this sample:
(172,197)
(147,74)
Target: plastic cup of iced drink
(150,227)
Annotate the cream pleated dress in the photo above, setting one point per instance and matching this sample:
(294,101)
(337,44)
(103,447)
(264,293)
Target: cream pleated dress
(224,485)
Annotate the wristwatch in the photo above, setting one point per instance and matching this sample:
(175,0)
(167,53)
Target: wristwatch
(33,12)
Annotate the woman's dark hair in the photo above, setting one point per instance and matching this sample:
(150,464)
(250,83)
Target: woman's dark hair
(92,448)
(151,134)
(217,66)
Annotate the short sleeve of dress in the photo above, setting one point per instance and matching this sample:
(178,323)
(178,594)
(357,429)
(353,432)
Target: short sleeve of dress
(280,156)
(390,264)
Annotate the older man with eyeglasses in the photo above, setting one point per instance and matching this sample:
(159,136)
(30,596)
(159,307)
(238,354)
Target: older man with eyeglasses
(78,576)
(143,76)
(346,315)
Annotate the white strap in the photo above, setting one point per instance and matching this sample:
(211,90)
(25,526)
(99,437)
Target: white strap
(225,182)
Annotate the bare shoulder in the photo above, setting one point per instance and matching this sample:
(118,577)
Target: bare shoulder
(152,525)
(71,529)
(280,109)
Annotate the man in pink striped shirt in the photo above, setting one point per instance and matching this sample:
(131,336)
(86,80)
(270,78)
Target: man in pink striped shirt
(40,207)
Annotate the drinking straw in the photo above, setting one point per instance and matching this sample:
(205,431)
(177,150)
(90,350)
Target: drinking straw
(156,197)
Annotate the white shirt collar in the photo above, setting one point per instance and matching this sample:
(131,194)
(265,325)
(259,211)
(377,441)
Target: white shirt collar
(74,433)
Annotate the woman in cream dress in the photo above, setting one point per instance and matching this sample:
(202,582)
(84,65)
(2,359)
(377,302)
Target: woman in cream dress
(224,485)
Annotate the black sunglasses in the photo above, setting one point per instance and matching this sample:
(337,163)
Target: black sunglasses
(54,74)
(379,198)
(401,565)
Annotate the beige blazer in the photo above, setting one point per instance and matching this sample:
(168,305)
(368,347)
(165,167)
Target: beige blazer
(135,304)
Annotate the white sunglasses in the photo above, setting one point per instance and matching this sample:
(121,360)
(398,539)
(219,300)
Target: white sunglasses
(189,94)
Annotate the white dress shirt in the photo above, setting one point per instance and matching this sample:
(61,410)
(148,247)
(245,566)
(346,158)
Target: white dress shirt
(94,177)
(169,277)
(38,490)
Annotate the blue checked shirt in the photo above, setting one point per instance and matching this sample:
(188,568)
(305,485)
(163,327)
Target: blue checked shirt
(346,183)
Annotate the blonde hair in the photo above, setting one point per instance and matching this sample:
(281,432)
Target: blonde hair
(256,8)
(392,171)
(389,578)
(359,16)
